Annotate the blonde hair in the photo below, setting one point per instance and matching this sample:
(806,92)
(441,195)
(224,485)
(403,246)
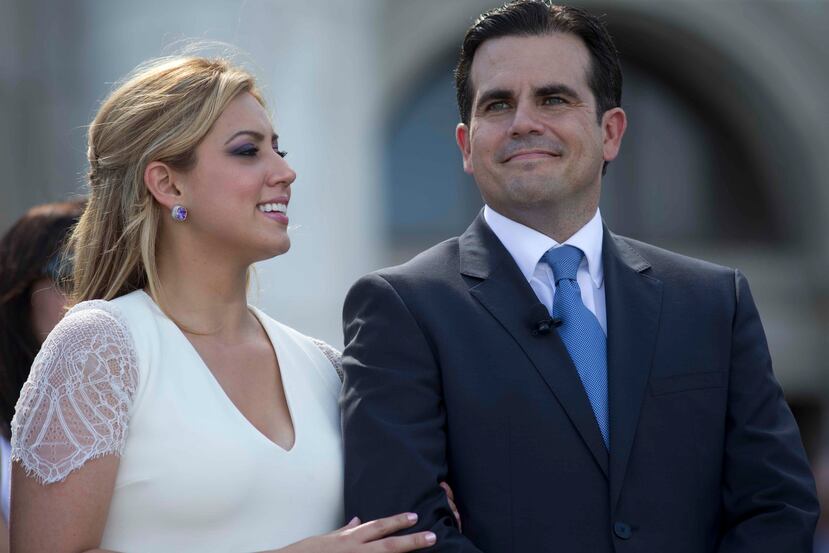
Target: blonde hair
(160,113)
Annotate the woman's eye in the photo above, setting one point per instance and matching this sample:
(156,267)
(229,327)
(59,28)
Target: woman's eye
(280,153)
(248,151)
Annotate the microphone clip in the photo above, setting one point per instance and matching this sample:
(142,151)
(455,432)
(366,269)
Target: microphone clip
(546,326)
(540,321)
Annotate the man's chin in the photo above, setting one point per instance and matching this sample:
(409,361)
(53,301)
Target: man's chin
(539,188)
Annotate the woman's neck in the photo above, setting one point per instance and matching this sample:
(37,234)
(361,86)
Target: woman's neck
(203,292)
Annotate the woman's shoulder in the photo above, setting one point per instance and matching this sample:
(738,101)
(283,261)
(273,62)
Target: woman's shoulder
(85,319)
(116,310)
(113,321)
(93,326)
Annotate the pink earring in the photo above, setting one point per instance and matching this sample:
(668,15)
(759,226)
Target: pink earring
(179,213)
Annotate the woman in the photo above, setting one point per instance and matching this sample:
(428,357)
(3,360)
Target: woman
(164,413)
(31,304)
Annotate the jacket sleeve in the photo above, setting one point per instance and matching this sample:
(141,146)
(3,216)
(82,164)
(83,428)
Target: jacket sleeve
(769,500)
(394,422)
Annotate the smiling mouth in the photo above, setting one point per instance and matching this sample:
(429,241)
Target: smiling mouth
(524,156)
(273,207)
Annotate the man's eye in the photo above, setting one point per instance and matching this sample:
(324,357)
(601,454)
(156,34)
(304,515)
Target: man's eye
(498,106)
(554,101)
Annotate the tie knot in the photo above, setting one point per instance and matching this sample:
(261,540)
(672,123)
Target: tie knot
(564,261)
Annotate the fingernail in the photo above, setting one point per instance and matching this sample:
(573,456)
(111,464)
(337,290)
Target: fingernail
(353,520)
(431,538)
(412,517)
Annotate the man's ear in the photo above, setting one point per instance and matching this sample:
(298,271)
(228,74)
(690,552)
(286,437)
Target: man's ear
(160,180)
(462,138)
(614,123)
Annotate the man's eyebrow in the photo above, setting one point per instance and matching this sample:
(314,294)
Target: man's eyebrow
(495,94)
(256,135)
(556,88)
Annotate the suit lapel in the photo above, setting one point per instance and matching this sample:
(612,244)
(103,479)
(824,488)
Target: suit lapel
(501,288)
(634,301)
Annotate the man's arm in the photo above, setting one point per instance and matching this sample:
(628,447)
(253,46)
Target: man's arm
(394,422)
(769,498)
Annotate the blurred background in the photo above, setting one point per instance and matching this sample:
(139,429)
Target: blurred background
(725,158)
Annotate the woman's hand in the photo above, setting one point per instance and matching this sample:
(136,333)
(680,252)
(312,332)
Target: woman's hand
(367,538)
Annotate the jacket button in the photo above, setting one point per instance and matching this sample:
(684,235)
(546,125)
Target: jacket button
(622,530)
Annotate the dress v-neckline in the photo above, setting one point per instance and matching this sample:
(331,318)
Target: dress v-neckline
(274,342)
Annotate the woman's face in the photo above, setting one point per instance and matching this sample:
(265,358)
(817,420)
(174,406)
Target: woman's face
(237,194)
(47,305)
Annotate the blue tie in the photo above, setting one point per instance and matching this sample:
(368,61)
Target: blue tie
(580,331)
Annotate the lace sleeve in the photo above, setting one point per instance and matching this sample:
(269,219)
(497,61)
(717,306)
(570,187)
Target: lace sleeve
(332,354)
(75,405)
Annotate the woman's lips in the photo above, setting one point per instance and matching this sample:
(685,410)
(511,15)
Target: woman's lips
(276,216)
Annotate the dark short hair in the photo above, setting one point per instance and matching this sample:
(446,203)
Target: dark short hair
(29,250)
(538,17)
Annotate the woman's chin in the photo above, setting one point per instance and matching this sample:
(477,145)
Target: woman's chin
(276,249)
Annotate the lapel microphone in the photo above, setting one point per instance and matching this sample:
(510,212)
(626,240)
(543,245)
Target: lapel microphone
(540,321)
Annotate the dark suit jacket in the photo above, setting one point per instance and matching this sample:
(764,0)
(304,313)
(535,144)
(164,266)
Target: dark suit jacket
(445,381)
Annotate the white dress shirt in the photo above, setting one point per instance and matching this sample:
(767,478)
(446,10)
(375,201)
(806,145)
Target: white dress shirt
(526,246)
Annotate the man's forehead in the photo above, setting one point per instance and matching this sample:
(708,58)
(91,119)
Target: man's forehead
(505,61)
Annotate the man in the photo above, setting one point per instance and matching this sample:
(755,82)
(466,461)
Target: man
(635,411)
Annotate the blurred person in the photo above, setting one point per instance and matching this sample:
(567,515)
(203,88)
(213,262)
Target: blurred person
(163,413)
(581,391)
(32,271)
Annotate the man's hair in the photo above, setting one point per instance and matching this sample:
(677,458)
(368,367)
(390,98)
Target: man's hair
(538,17)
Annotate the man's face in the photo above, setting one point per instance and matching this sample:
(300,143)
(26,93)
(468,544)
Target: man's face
(534,141)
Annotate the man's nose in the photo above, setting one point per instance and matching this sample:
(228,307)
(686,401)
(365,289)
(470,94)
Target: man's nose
(526,120)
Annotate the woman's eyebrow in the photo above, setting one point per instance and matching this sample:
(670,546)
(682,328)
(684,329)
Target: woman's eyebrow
(256,135)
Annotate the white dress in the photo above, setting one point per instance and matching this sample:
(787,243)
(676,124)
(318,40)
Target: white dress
(119,377)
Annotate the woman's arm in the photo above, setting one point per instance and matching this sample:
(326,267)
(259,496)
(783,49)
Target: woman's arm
(67,516)
(68,432)
(4,537)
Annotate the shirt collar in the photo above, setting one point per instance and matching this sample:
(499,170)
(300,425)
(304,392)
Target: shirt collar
(526,245)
